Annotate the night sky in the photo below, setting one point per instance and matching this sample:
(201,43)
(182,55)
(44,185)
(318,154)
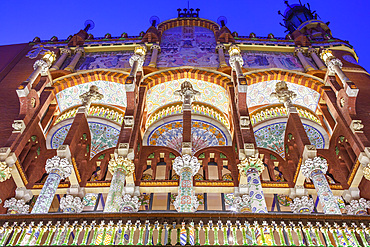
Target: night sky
(22,20)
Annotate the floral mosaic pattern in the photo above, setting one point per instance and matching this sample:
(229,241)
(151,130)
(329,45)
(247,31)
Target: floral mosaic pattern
(265,60)
(204,134)
(210,93)
(259,94)
(102,137)
(272,137)
(188,46)
(257,199)
(114,94)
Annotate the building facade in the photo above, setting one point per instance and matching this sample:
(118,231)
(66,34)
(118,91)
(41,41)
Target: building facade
(187,134)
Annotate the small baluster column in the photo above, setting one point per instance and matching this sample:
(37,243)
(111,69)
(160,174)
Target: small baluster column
(298,51)
(314,54)
(153,60)
(251,168)
(220,48)
(58,169)
(120,168)
(315,169)
(186,167)
(64,53)
(78,54)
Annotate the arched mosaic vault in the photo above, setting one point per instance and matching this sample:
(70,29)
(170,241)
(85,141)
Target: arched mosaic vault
(205,132)
(104,134)
(74,79)
(210,93)
(270,134)
(259,94)
(306,80)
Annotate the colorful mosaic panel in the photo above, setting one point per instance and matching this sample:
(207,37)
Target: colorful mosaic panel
(114,94)
(46,196)
(272,137)
(204,135)
(257,199)
(210,93)
(266,59)
(328,200)
(103,137)
(259,94)
(188,46)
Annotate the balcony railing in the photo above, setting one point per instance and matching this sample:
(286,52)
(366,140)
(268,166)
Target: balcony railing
(184,229)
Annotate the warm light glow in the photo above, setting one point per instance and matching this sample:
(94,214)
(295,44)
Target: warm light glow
(49,57)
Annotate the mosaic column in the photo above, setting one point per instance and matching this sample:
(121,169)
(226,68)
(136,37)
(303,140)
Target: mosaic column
(58,169)
(221,55)
(314,54)
(120,168)
(315,169)
(64,52)
(236,60)
(251,168)
(186,167)
(78,53)
(153,60)
(299,53)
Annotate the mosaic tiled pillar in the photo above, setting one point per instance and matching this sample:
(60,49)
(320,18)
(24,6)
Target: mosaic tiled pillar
(58,169)
(315,169)
(186,167)
(251,168)
(120,168)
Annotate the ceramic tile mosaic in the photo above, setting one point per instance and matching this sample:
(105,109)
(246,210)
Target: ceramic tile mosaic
(204,135)
(188,46)
(102,137)
(114,94)
(272,137)
(210,93)
(259,94)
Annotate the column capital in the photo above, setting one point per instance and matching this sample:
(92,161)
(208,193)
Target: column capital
(71,204)
(186,161)
(332,63)
(65,51)
(302,205)
(91,95)
(155,46)
(249,164)
(220,46)
(5,171)
(120,163)
(311,166)
(297,50)
(139,59)
(313,50)
(129,203)
(234,52)
(240,203)
(43,64)
(79,49)
(60,166)
(358,207)
(16,206)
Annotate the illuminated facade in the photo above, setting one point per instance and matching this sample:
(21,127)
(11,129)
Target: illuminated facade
(187,134)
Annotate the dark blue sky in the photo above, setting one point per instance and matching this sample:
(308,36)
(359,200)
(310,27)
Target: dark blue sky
(22,20)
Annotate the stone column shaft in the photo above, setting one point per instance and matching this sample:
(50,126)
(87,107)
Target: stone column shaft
(134,69)
(154,57)
(316,58)
(221,55)
(31,79)
(302,59)
(64,54)
(78,53)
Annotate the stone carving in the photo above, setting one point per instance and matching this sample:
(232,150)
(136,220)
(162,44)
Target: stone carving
(16,206)
(139,59)
(332,63)
(283,94)
(245,122)
(249,164)
(92,94)
(71,204)
(129,121)
(5,171)
(235,57)
(358,207)
(186,161)
(302,205)
(18,126)
(187,93)
(311,165)
(366,171)
(124,164)
(44,66)
(62,167)
(356,126)
(238,203)
(129,203)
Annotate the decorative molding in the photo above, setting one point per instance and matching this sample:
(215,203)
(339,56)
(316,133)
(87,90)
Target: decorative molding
(186,161)
(71,204)
(311,165)
(16,206)
(5,171)
(62,167)
(251,163)
(120,163)
(302,205)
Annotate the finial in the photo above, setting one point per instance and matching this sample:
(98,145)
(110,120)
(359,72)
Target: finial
(89,25)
